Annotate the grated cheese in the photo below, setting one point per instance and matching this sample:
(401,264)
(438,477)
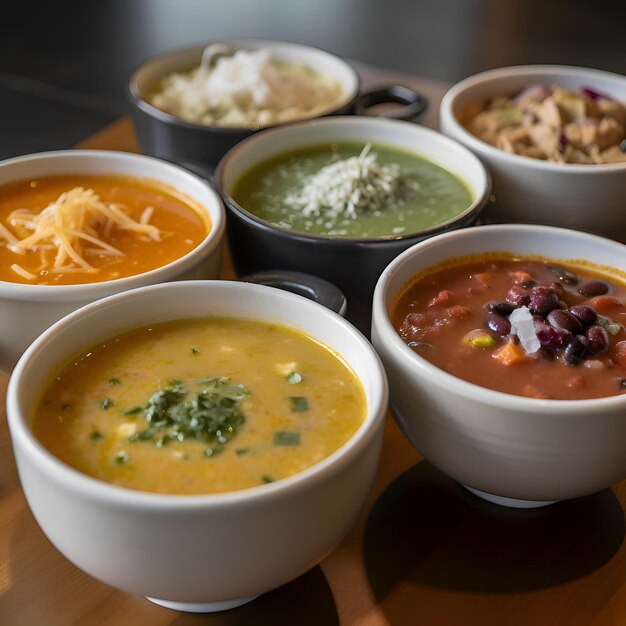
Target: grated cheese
(348,187)
(77,217)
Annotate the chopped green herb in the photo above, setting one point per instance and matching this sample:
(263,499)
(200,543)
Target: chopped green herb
(286,438)
(267,479)
(294,378)
(96,436)
(114,381)
(242,451)
(211,415)
(106,403)
(134,411)
(121,458)
(299,404)
(194,350)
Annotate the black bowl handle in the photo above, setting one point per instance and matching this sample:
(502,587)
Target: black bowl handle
(311,287)
(414,103)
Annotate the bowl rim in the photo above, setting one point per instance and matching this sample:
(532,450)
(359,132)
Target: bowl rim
(142,104)
(212,239)
(473,210)
(485,149)
(471,391)
(95,489)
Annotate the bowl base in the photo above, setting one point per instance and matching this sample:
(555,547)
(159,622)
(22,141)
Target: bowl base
(202,607)
(511,502)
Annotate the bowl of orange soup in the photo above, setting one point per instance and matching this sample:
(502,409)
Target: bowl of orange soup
(76,226)
(198,442)
(505,348)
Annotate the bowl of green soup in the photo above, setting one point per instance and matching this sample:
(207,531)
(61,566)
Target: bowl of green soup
(183,441)
(342,197)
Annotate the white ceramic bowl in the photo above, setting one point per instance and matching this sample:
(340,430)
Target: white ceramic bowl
(588,197)
(505,445)
(27,310)
(197,553)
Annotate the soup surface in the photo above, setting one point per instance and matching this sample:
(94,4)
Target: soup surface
(352,190)
(528,327)
(200,406)
(181,225)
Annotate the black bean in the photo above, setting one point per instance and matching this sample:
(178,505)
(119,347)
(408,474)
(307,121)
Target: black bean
(584,313)
(598,339)
(592,288)
(564,320)
(574,351)
(501,307)
(518,296)
(543,300)
(527,284)
(563,275)
(621,382)
(498,324)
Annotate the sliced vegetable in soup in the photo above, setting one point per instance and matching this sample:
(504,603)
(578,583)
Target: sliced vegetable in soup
(531,327)
(76,229)
(200,406)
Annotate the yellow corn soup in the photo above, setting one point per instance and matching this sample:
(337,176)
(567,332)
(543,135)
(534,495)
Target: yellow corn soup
(200,406)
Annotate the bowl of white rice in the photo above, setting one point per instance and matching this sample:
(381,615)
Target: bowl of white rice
(192,105)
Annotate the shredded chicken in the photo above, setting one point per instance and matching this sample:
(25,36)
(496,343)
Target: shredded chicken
(555,124)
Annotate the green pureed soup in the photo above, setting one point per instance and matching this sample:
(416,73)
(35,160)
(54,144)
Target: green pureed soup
(354,190)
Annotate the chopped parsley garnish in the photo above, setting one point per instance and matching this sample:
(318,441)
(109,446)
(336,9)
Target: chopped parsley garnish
(194,350)
(286,438)
(266,479)
(293,378)
(299,404)
(106,403)
(211,415)
(242,451)
(96,436)
(134,411)
(121,458)
(114,381)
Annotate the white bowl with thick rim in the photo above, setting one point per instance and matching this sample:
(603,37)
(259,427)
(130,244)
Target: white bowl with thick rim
(515,450)
(587,197)
(198,552)
(27,310)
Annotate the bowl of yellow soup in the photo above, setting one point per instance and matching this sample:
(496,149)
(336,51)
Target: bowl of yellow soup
(198,442)
(80,225)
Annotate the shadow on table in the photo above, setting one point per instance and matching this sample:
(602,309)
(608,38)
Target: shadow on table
(45,587)
(428,530)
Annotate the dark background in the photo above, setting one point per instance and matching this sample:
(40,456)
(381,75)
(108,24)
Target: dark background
(64,64)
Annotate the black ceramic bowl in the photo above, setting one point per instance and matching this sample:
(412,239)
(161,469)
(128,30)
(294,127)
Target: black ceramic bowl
(166,136)
(354,265)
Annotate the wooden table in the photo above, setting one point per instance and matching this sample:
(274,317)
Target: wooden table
(424,551)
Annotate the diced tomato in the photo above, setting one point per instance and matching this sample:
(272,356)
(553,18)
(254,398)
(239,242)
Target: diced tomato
(457,312)
(519,278)
(532,392)
(443,298)
(619,353)
(605,304)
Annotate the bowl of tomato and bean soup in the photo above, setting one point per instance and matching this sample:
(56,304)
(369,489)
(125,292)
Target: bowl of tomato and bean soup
(200,430)
(80,225)
(506,354)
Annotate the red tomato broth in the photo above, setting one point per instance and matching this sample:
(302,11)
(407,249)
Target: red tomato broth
(442,304)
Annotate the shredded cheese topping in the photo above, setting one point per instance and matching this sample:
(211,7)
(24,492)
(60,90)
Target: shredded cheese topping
(349,187)
(75,225)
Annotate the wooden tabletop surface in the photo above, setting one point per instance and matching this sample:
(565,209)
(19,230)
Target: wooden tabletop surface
(424,551)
